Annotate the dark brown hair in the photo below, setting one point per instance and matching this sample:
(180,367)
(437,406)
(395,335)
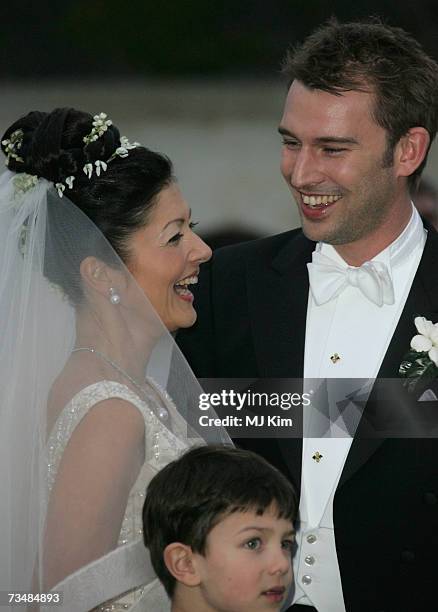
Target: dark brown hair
(194,493)
(118,201)
(373,57)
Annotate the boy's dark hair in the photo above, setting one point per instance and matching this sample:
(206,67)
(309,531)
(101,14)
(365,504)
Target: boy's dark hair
(191,495)
(372,57)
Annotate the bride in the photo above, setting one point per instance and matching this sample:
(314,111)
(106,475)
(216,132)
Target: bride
(97,255)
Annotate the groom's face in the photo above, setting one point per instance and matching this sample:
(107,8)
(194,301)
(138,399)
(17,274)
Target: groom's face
(336,161)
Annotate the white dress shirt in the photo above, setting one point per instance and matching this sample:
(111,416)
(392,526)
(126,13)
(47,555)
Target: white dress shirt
(358,332)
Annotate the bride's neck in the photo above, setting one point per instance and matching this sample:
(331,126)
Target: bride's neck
(116,342)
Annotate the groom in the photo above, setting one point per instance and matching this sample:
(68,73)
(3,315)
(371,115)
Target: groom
(338,299)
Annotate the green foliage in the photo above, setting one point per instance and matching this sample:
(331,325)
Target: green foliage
(418,370)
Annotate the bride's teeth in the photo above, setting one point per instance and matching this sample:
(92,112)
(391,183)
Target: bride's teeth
(191,280)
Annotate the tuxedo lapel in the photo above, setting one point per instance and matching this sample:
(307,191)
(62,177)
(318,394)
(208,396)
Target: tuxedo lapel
(278,289)
(422,301)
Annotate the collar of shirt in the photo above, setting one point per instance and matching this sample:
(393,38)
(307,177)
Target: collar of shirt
(395,253)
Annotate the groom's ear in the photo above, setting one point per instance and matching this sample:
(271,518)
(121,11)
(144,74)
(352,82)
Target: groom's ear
(411,150)
(179,560)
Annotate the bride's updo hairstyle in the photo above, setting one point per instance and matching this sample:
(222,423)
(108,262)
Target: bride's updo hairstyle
(118,199)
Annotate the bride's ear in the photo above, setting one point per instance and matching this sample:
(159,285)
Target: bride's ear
(99,276)
(179,560)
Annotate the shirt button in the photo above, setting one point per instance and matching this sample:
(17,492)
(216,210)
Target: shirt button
(306,579)
(311,538)
(309,560)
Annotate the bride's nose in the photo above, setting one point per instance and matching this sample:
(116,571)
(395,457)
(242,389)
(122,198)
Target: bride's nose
(200,252)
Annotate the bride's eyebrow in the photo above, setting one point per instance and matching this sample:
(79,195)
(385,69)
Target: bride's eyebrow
(180,220)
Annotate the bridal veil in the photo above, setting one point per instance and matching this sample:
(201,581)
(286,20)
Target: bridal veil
(44,240)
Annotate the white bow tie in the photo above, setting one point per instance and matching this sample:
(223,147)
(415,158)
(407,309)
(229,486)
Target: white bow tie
(327,280)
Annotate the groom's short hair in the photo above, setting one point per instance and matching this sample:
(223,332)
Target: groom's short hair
(374,57)
(191,495)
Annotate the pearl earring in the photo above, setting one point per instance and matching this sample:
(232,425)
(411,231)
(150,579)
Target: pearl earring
(114,296)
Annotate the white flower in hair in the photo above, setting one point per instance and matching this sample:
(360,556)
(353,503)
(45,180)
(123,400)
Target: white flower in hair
(100,126)
(88,170)
(124,141)
(23,182)
(121,152)
(12,145)
(61,188)
(101,121)
(100,165)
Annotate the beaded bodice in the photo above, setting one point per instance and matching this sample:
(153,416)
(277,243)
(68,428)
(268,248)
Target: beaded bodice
(164,441)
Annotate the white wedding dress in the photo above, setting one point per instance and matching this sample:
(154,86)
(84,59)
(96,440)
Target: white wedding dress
(126,569)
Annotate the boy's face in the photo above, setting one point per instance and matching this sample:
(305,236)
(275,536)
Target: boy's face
(247,566)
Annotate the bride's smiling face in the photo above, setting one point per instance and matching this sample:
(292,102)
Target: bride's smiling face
(165,256)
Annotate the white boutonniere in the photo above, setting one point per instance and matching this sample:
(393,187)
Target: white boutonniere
(420,364)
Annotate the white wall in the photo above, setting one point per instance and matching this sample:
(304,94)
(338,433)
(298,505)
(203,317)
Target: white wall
(221,136)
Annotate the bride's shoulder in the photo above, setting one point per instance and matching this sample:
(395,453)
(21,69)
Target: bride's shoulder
(102,419)
(102,390)
(98,400)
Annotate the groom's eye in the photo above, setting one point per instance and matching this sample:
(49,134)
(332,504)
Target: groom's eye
(334,150)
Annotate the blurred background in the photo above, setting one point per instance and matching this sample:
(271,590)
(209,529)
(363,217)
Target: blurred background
(198,80)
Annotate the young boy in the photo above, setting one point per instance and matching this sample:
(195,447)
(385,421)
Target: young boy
(218,523)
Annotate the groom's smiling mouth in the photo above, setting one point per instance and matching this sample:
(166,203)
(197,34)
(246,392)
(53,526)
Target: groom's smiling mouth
(319,200)
(316,206)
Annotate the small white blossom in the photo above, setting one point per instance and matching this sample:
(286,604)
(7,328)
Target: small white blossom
(428,335)
(122,152)
(88,170)
(56,290)
(421,343)
(23,182)
(434,334)
(427,340)
(100,126)
(69,181)
(423,325)
(12,145)
(433,355)
(425,343)
(100,165)
(124,141)
(61,188)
